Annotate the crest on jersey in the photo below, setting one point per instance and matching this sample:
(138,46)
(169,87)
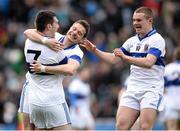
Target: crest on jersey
(146,47)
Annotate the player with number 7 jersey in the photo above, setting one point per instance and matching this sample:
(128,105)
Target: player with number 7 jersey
(46,103)
(44,83)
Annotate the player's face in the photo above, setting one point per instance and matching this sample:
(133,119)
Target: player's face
(141,24)
(55,25)
(76,33)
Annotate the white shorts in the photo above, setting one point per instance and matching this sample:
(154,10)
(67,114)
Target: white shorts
(170,113)
(81,118)
(49,116)
(24,104)
(142,99)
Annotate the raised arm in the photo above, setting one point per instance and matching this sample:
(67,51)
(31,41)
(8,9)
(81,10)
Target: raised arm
(52,43)
(68,69)
(146,62)
(106,56)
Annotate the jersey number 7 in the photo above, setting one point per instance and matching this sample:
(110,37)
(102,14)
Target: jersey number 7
(36,52)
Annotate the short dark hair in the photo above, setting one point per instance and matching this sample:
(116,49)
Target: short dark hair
(86,25)
(146,10)
(43,18)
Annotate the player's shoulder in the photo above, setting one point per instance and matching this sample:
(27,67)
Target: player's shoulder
(131,40)
(78,49)
(157,37)
(59,36)
(29,42)
(135,37)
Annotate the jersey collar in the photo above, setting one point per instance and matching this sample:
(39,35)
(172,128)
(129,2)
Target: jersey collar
(153,31)
(70,47)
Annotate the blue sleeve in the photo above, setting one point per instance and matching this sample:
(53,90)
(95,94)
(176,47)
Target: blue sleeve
(124,51)
(155,51)
(77,58)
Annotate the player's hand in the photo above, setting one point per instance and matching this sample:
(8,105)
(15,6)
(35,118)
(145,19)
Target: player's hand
(88,45)
(36,66)
(54,44)
(118,53)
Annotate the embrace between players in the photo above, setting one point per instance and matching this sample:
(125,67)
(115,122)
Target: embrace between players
(144,95)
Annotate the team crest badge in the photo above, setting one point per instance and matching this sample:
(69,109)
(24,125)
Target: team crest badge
(146,47)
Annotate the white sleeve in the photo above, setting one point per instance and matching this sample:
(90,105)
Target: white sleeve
(126,46)
(58,36)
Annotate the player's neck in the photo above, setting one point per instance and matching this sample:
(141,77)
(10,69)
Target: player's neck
(141,35)
(67,42)
(47,34)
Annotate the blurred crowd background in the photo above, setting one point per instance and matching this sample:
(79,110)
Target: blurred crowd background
(111,25)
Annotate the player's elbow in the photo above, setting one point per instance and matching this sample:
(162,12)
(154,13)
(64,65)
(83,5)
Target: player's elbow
(29,32)
(148,64)
(114,60)
(25,33)
(71,71)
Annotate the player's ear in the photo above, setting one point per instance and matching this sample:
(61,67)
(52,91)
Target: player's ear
(49,26)
(150,20)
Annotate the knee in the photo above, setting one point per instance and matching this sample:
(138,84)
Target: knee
(146,126)
(121,125)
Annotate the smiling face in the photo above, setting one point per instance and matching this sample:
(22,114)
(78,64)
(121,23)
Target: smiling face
(76,33)
(142,24)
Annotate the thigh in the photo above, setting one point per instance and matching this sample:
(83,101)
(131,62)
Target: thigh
(171,118)
(126,117)
(171,124)
(147,118)
(26,122)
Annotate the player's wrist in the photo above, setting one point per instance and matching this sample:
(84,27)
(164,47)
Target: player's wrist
(44,40)
(43,68)
(94,48)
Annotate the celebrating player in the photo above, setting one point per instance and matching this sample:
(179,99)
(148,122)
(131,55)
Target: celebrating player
(145,52)
(43,97)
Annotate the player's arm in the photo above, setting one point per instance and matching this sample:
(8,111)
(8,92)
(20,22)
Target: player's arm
(68,69)
(106,56)
(146,62)
(52,43)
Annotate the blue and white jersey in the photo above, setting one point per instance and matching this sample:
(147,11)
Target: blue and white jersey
(172,85)
(143,78)
(79,92)
(72,52)
(47,89)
